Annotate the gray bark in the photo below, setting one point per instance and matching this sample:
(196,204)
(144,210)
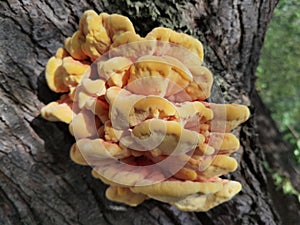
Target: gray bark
(39,184)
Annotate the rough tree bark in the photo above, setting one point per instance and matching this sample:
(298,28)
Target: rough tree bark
(38,182)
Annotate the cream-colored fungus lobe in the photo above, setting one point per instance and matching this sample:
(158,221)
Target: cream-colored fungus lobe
(137,107)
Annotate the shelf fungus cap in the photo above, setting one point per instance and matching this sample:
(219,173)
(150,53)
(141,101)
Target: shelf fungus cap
(139,110)
(219,166)
(167,137)
(189,110)
(96,151)
(168,35)
(64,73)
(73,46)
(59,111)
(200,88)
(178,189)
(124,195)
(116,24)
(114,71)
(228,116)
(191,196)
(96,40)
(128,110)
(224,143)
(203,203)
(55,75)
(84,125)
(124,38)
(94,87)
(163,76)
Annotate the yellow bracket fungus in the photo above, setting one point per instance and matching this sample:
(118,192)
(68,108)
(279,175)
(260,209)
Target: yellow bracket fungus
(139,111)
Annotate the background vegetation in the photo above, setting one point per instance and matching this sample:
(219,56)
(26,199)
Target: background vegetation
(279,80)
(279,71)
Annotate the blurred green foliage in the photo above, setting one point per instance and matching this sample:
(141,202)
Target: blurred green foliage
(285,184)
(282,182)
(279,71)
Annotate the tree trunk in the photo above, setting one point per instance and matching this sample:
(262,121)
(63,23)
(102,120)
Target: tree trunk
(39,184)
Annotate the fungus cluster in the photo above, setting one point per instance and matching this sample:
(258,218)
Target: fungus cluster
(138,109)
